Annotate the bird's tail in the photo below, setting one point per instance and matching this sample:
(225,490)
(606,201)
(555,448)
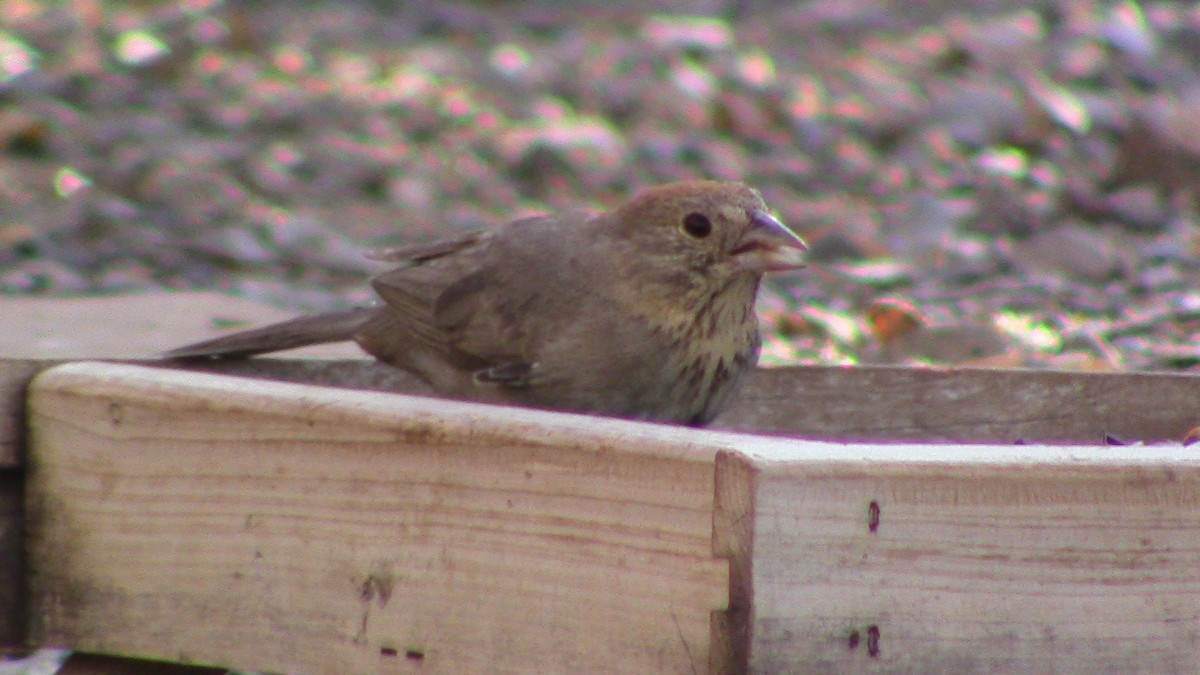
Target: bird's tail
(299,332)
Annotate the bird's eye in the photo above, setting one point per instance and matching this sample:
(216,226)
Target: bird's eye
(697,224)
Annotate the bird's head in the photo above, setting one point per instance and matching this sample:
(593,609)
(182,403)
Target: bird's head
(708,231)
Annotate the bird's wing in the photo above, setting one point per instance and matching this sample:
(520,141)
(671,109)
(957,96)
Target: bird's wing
(483,320)
(523,298)
(411,291)
(453,296)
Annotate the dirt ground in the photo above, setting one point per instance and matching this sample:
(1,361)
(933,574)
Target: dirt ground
(989,183)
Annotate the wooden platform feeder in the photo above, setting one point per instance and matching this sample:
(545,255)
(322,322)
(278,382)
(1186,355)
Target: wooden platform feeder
(842,520)
(319,517)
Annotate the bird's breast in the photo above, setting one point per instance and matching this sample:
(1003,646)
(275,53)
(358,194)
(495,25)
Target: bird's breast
(710,352)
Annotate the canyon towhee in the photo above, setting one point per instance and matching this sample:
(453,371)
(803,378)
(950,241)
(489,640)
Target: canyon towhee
(645,311)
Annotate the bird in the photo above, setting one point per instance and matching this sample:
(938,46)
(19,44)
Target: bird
(645,311)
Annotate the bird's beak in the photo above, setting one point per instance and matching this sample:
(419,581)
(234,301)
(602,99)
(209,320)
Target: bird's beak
(768,246)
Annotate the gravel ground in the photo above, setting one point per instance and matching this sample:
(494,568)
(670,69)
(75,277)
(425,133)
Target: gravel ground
(987,183)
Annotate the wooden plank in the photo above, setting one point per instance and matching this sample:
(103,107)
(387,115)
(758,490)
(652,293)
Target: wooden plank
(860,403)
(289,528)
(928,405)
(984,558)
(956,559)
(885,404)
(130,326)
(865,403)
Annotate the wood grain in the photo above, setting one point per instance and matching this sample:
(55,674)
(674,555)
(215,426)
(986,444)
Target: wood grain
(980,559)
(255,524)
(930,405)
(864,403)
(289,528)
(885,404)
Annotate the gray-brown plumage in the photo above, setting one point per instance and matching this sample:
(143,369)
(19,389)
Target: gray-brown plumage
(646,311)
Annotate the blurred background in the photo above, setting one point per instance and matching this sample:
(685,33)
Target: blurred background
(986,183)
